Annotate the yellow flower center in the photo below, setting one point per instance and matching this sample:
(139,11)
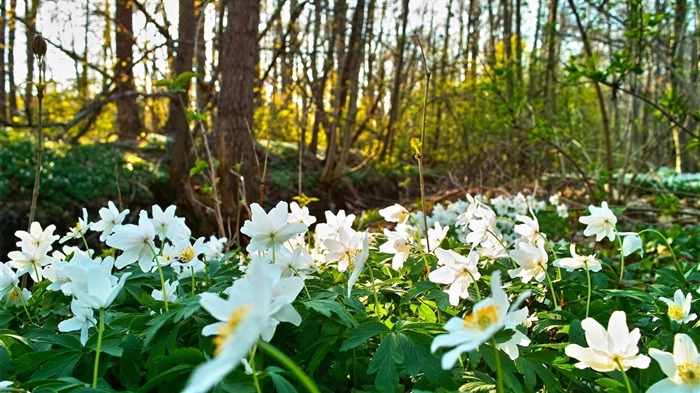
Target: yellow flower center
(689,372)
(15,295)
(482,319)
(227,329)
(186,254)
(676,312)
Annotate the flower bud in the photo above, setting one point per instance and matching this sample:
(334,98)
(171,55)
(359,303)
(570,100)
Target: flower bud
(39,46)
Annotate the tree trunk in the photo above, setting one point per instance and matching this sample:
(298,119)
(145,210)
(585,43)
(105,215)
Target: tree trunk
(12,86)
(552,57)
(177,125)
(129,124)
(388,140)
(234,122)
(473,37)
(3,47)
(31,6)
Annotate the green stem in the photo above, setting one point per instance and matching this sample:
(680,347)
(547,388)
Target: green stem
(670,249)
(499,371)
(515,265)
(624,377)
(622,256)
(87,248)
(551,287)
(99,348)
(24,304)
(374,291)
(476,285)
(162,279)
(252,366)
(291,365)
(588,302)
(193,282)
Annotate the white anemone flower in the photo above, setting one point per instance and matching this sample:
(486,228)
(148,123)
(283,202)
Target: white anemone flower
(300,214)
(8,279)
(398,243)
(255,305)
(679,307)
(83,319)
(101,289)
(487,318)
(578,261)
(531,260)
(168,226)
(482,226)
(170,290)
(358,263)
(110,217)
(268,230)
(136,242)
(37,235)
(601,222)
(395,213)
(331,228)
(345,248)
(682,367)
(529,229)
(458,271)
(631,242)
(609,350)
(436,235)
(79,230)
(31,259)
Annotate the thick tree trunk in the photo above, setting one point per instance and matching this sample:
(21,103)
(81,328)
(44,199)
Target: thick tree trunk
(177,125)
(12,33)
(234,124)
(31,6)
(129,124)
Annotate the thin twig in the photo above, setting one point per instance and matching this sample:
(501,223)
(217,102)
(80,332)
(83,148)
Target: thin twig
(422,142)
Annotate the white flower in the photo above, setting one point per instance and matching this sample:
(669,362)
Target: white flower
(682,367)
(487,318)
(601,222)
(31,259)
(631,242)
(578,261)
(563,211)
(679,307)
(344,249)
(458,271)
(214,248)
(79,230)
(37,236)
(110,217)
(83,319)
(435,236)
(186,256)
(267,230)
(256,304)
(529,229)
(167,225)
(136,241)
(300,215)
(8,279)
(531,260)
(359,262)
(482,226)
(609,350)
(395,213)
(170,290)
(510,347)
(331,228)
(100,290)
(16,297)
(398,243)
(76,273)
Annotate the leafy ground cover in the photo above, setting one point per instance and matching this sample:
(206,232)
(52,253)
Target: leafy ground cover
(505,294)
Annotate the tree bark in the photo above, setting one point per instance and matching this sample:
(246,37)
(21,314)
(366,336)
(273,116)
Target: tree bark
(3,48)
(129,124)
(177,125)
(31,6)
(234,123)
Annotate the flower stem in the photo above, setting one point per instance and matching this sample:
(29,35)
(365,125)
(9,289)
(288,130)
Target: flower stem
(515,265)
(252,366)
(588,302)
(499,371)
(622,256)
(162,280)
(99,348)
(193,282)
(291,365)
(624,377)
(376,298)
(24,304)
(670,249)
(551,288)
(87,248)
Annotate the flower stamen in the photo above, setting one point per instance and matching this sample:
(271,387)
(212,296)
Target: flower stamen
(226,330)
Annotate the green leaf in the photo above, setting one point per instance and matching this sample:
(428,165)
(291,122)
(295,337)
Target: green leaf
(329,306)
(155,381)
(282,385)
(362,333)
(130,363)
(384,364)
(611,385)
(199,166)
(184,77)
(164,82)
(5,363)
